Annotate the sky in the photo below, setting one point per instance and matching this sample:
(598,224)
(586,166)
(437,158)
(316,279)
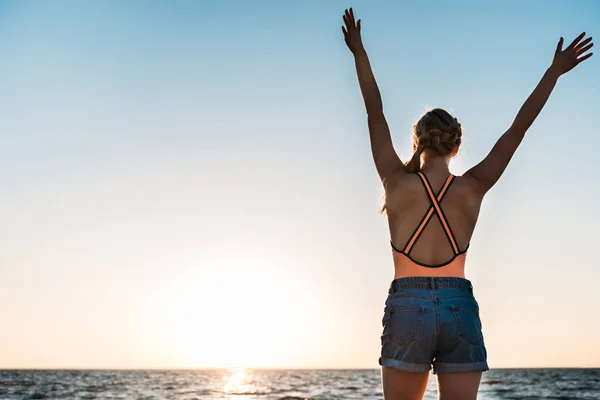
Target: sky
(189,184)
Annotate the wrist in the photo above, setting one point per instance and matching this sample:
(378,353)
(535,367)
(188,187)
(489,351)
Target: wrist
(360,52)
(554,72)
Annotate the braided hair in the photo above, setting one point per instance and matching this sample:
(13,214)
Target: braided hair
(437,131)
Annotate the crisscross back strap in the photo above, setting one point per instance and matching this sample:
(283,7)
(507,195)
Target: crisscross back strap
(435,206)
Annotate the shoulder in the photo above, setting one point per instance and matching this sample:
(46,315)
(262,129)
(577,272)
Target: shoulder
(468,187)
(403,190)
(399,180)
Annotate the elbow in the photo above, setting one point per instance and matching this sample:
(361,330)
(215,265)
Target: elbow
(375,111)
(514,136)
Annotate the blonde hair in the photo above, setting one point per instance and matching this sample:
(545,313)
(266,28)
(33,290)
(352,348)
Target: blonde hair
(437,131)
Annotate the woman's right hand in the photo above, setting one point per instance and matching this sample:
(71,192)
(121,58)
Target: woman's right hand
(352,32)
(567,59)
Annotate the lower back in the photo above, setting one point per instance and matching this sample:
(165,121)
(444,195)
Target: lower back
(404,267)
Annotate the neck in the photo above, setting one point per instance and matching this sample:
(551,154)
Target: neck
(435,163)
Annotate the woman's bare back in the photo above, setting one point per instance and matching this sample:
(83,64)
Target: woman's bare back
(408,203)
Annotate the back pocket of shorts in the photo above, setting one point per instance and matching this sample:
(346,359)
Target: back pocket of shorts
(405,324)
(468,324)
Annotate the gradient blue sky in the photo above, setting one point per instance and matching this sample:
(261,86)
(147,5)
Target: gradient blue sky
(189,183)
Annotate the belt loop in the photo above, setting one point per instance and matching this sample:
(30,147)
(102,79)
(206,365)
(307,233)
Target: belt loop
(432,282)
(391,289)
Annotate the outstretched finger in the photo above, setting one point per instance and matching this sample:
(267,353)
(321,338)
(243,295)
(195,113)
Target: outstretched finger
(559,45)
(580,45)
(344,31)
(346,22)
(352,16)
(584,57)
(358,25)
(584,49)
(577,39)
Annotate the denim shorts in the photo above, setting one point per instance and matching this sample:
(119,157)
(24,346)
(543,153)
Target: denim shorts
(432,320)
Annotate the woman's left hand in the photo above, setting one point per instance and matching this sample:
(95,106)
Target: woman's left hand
(352,32)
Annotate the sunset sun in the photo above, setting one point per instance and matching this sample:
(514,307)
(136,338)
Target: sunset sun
(235,313)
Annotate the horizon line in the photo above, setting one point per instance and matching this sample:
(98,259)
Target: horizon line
(245,368)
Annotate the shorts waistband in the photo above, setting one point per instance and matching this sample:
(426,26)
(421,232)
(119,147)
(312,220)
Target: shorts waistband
(430,282)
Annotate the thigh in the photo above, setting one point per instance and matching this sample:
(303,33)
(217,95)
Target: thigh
(458,385)
(403,385)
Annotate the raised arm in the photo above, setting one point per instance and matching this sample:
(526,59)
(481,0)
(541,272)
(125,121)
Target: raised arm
(386,159)
(488,171)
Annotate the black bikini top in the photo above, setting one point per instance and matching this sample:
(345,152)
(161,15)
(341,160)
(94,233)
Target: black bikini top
(435,207)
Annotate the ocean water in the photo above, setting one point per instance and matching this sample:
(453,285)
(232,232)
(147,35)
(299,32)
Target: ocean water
(277,384)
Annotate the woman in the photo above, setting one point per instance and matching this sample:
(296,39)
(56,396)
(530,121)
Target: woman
(431,316)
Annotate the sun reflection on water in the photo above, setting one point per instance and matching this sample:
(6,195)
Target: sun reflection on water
(238,382)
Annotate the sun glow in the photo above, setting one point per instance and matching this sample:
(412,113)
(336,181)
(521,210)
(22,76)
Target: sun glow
(234,313)
(239,381)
